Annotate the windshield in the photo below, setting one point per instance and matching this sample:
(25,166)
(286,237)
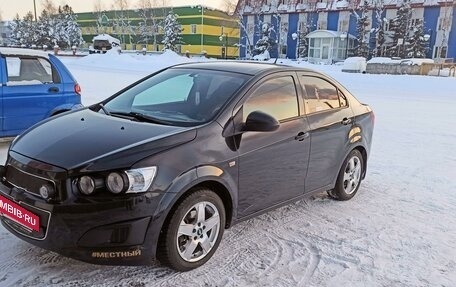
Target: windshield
(183,97)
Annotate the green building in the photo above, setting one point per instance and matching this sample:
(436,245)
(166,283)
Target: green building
(204,29)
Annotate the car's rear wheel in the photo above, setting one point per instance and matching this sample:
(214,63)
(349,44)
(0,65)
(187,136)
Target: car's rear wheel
(193,233)
(349,178)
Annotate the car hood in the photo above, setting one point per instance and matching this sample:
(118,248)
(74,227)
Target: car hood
(93,141)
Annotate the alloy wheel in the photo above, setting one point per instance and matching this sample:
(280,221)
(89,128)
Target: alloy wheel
(198,231)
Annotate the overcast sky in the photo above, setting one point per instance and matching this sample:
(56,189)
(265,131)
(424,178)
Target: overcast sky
(9,8)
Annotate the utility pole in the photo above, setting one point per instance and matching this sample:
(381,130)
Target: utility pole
(34,9)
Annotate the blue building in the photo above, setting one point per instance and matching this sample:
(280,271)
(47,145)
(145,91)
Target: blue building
(290,17)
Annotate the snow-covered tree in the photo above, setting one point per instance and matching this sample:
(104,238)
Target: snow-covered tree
(416,44)
(362,22)
(47,32)
(400,28)
(303,44)
(172,32)
(24,31)
(68,31)
(265,43)
(380,30)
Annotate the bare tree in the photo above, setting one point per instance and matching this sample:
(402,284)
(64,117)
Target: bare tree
(229,6)
(50,7)
(160,3)
(121,5)
(98,6)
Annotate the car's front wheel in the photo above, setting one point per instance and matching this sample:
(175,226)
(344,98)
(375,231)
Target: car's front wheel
(349,178)
(193,233)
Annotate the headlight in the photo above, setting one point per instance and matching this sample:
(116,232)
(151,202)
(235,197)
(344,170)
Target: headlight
(117,182)
(86,185)
(131,181)
(140,179)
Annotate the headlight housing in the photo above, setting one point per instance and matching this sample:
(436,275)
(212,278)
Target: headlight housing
(86,185)
(131,181)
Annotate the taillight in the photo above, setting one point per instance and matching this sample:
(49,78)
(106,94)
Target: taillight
(77,89)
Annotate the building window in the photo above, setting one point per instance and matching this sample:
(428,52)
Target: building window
(444,23)
(343,25)
(193,28)
(440,52)
(322,25)
(250,28)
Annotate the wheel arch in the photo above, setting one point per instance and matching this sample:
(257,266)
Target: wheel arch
(362,149)
(363,152)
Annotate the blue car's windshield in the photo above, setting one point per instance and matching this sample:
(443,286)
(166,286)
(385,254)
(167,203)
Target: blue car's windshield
(178,96)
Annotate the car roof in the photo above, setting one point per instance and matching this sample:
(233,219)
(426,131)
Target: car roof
(240,67)
(23,52)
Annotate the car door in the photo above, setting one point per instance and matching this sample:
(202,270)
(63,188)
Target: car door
(32,89)
(330,119)
(272,165)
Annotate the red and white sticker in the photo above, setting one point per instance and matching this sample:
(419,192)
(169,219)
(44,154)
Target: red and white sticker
(19,214)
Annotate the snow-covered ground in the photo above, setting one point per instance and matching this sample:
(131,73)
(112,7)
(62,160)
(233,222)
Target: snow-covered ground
(399,230)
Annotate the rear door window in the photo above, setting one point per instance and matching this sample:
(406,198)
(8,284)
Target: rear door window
(321,95)
(28,71)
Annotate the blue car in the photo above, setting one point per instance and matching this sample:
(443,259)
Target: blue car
(34,85)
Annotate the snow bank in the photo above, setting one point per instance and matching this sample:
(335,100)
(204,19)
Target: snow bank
(417,61)
(411,61)
(383,60)
(113,61)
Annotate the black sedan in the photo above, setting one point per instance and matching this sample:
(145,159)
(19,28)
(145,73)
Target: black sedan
(162,168)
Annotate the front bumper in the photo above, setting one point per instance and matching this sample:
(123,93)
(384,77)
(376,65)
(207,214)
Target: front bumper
(115,231)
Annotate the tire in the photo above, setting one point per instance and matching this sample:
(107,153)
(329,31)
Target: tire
(189,238)
(349,177)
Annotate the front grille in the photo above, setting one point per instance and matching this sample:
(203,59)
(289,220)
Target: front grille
(29,182)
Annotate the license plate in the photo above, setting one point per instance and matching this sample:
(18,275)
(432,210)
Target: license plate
(19,214)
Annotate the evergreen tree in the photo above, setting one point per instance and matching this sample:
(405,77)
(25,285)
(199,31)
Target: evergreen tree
(68,33)
(416,45)
(400,27)
(303,44)
(265,43)
(362,22)
(16,32)
(379,31)
(172,32)
(25,30)
(46,32)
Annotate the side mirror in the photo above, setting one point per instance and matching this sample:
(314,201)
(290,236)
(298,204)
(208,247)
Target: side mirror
(260,122)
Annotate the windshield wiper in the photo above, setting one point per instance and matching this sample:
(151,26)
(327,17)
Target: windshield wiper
(141,117)
(104,109)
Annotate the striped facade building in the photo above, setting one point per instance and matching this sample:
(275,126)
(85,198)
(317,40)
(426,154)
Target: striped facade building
(204,29)
(287,17)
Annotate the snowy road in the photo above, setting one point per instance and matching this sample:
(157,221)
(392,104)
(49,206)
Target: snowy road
(399,230)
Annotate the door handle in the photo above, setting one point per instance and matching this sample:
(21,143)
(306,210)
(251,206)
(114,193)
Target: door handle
(301,136)
(346,121)
(53,90)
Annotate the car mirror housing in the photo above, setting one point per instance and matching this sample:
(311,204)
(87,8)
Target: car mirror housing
(260,122)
